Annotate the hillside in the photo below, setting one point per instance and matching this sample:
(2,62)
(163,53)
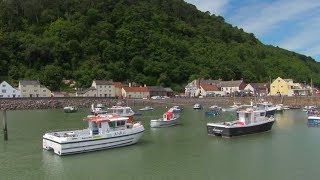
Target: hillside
(154,42)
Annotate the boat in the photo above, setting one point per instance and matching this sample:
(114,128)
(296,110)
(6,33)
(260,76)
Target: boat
(103,132)
(175,109)
(147,108)
(313,120)
(249,121)
(307,108)
(98,110)
(268,107)
(123,111)
(197,106)
(215,108)
(234,107)
(70,109)
(212,113)
(136,113)
(168,119)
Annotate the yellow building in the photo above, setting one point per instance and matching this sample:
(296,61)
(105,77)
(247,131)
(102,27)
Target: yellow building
(281,87)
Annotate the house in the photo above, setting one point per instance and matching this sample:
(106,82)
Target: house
(90,92)
(104,88)
(169,92)
(32,88)
(157,91)
(193,88)
(258,89)
(286,87)
(135,92)
(7,91)
(118,89)
(210,90)
(230,87)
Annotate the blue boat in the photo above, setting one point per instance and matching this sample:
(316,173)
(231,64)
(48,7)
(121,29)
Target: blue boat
(212,113)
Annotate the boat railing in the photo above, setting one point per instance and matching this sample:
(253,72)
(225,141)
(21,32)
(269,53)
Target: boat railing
(63,130)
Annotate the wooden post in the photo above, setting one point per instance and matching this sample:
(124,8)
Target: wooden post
(5,131)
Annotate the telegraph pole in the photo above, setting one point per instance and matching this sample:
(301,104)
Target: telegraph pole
(4,120)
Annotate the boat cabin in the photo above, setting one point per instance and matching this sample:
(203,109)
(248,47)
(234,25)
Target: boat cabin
(167,116)
(249,116)
(104,124)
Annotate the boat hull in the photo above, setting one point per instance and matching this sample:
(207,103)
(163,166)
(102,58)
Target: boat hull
(159,124)
(88,144)
(238,131)
(270,112)
(313,121)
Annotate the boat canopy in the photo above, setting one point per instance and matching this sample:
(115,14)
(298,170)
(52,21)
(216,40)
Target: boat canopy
(168,115)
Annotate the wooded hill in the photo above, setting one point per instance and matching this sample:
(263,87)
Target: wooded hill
(153,42)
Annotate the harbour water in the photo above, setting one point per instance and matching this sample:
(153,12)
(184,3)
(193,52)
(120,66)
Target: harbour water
(289,151)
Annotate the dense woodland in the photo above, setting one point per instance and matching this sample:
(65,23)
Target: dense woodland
(153,42)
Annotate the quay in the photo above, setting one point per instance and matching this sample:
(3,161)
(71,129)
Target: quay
(85,102)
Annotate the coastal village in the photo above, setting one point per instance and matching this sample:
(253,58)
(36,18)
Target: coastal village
(197,88)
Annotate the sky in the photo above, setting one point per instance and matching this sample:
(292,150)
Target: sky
(289,24)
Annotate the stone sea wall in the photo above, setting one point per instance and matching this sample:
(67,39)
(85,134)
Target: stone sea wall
(50,103)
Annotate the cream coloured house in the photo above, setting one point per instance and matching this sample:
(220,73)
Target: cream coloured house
(135,92)
(104,88)
(32,88)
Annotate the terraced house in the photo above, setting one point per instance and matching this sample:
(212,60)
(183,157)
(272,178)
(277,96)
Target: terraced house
(33,88)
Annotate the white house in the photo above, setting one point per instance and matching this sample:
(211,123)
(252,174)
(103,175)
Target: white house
(7,91)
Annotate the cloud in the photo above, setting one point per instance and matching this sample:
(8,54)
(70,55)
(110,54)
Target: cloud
(261,18)
(214,6)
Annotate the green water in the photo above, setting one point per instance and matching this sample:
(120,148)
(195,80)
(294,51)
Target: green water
(290,151)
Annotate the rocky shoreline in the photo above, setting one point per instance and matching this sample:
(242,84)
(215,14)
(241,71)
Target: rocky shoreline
(85,102)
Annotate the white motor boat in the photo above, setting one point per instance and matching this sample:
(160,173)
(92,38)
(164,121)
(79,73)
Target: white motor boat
(70,109)
(168,119)
(106,131)
(147,108)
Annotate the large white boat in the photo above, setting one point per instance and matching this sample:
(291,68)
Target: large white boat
(248,122)
(168,119)
(268,107)
(104,131)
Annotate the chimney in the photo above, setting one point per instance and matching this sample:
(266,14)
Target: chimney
(144,85)
(130,84)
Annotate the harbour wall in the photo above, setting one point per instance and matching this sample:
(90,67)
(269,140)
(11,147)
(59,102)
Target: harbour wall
(85,102)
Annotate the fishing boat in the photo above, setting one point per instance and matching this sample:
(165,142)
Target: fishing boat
(249,121)
(70,109)
(268,107)
(147,108)
(212,113)
(168,119)
(103,132)
(197,106)
(123,111)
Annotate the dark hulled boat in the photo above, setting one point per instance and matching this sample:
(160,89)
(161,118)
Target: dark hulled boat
(248,122)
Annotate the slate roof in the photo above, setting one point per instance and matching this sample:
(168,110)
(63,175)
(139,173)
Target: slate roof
(260,85)
(168,89)
(87,90)
(29,82)
(231,83)
(156,89)
(103,82)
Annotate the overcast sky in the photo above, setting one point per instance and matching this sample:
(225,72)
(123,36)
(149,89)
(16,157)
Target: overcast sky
(289,24)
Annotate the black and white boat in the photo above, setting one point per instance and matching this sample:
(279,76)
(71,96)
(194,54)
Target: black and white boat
(268,107)
(248,122)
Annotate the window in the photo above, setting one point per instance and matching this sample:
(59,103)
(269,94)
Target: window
(3,85)
(44,90)
(100,86)
(109,86)
(3,91)
(14,91)
(23,85)
(24,91)
(35,90)
(112,124)
(1,95)
(35,85)
(109,90)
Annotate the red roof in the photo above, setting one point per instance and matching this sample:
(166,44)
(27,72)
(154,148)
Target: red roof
(117,84)
(210,87)
(136,89)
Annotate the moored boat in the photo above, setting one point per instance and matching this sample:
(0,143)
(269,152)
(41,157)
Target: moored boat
(70,109)
(123,111)
(268,107)
(107,131)
(176,109)
(147,108)
(248,122)
(168,119)
(197,106)
(313,120)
